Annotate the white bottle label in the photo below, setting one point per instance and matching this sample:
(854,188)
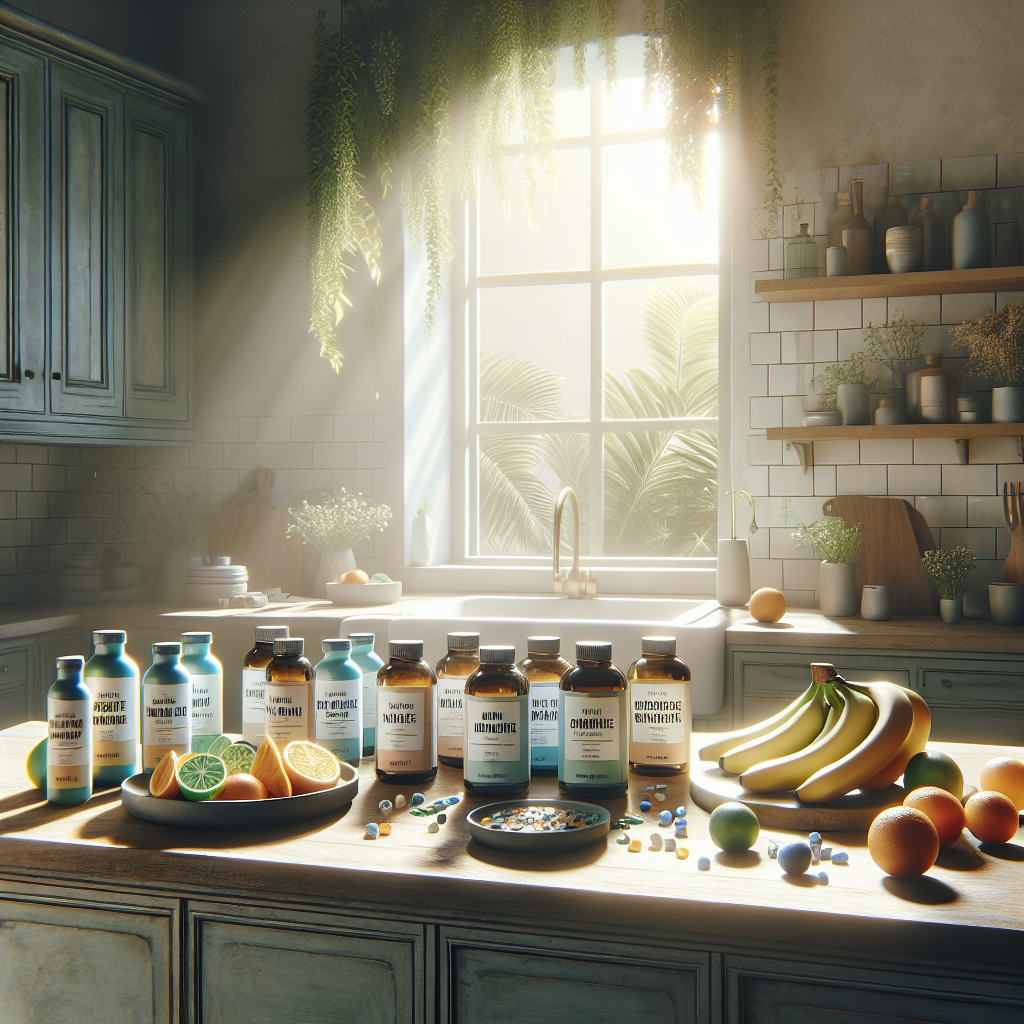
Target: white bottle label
(338,715)
(288,712)
(592,727)
(400,720)
(544,714)
(369,700)
(113,704)
(207,705)
(450,691)
(493,729)
(253,682)
(66,745)
(167,716)
(660,712)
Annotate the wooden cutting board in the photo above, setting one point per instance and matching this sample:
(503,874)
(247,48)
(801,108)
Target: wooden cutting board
(890,555)
(252,533)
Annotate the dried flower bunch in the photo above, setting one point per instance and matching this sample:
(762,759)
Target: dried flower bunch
(338,523)
(182,517)
(853,371)
(830,537)
(893,344)
(994,344)
(948,570)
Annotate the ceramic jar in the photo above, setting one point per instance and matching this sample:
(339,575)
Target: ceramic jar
(972,236)
(1008,404)
(801,256)
(838,594)
(823,418)
(854,403)
(839,218)
(887,415)
(835,261)
(857,235)
(1007,603)
(952,609)
(931,392)
(903,249)
(732,577)
(891,216)
(970,409)
(933,237)
(876,603)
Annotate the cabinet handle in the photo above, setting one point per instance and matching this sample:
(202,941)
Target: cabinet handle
(30,374)
(5,669)
(56,375)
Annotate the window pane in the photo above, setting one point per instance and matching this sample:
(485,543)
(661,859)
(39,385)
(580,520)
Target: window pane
(661,348)
(660,493)
(622,111)
(535,352)
(562,239)
(520,477)
(572,103)
(645,222)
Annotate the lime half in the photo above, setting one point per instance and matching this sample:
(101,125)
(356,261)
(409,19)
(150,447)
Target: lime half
(238,758)
(202,777)
(215,744)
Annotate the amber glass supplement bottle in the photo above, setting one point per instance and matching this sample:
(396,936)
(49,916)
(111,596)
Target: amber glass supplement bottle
(497,741)
(288,694)
(113,680)
(544,667)
(406,725)
(166,706)
(593,725)
(254,680)
(659,721)
(461,661)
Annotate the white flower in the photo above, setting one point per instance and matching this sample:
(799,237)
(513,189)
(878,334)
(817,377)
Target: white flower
(338,523)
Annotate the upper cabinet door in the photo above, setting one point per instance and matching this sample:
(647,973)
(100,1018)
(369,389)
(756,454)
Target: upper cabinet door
(87,310)
(22,231)
(157,265)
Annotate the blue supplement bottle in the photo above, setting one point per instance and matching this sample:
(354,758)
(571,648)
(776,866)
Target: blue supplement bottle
(113,680)
(593,725)
(544,667)
(207,683)
(338,699)
(69,735)
(166,706)
(364,657)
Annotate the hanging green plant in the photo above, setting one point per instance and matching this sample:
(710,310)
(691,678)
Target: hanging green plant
(440,87)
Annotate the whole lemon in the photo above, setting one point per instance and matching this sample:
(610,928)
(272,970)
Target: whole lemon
(734,827)
(767,604)
(35,765)
(1005,775)
(903,841)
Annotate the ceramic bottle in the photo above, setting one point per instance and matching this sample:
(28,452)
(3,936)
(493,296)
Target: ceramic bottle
(933,237)
(660,715)
(406,723)
(972,236)
(857,235)
(207,683)
(69,735)
(166,706)
(893,215)
(369,664)
(839,217)
(931,392)
(337,695)
(254,681)
(113,680)
(461,661)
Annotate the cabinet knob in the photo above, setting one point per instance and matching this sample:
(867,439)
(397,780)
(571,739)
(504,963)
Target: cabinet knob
(30,374)
(56,375)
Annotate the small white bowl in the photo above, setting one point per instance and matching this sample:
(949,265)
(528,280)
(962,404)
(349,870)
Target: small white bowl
(362,595)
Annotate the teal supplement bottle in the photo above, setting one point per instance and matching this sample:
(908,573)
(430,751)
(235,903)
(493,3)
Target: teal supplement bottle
(369,664)
(166,706)
(544,667)
(593,725)
(496,739)
(69,735)
(207,683)
(338,698)
(113,680)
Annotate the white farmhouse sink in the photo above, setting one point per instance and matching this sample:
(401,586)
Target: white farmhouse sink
(698,625)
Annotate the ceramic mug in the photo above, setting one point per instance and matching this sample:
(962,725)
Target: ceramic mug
(876,603)
(835,261)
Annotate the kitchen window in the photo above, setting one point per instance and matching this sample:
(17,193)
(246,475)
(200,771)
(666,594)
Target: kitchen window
(587,352)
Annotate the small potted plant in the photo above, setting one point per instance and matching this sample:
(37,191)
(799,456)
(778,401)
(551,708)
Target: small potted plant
(845,386)
(837,545)
(333,528)
(994,344)
(948,570)
(893,345)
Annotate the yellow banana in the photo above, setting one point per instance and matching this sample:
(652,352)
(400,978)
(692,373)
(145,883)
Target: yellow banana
(850,730)
(726,741)
(916,741)
(891,728)
(789,737)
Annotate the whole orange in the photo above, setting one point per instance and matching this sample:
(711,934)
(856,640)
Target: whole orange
(767,604)
(1005,775)
(943,809)
(903,841)
(243,787)
(991,817)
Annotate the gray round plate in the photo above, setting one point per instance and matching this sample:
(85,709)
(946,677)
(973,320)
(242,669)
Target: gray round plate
(538,842)
(214,814)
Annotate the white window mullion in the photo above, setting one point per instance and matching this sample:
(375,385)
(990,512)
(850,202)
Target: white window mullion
(471,454)
(596,330)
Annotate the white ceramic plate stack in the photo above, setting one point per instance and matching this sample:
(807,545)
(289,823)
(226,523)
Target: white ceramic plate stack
(207,584)
(81,575)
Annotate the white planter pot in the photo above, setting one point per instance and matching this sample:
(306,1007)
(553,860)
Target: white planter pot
(1008,405)
(732,580)
(952,609)
(838,594)
(332,565)
(420,548)
(170,575)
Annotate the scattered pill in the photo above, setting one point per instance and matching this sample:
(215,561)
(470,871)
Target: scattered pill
(682,853)
(660,797)
(442,818)
(372,829)
(654,789)
(452,800)
(633,819)
(773,849)
(400,800)
(840,858)
(822,878)
(795,858)
(385,829)
(703,864)
(814,842)
(655,841)
(670,845)
(665,818)
(623,839)
(384,806)
(433,827)
(635,846)
(680,828)
(826,853)
(645,805)
(537,818)
(680,811)
(417,799)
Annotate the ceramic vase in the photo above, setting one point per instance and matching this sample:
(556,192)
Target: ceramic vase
(891,216)
(931,393)
(1008,404)
(876,603)
(887,415)
(332,565)
(732,578)
(838,594)
(421,540)
(854,403)
(835,261)
(857,236)
(170,574)
(933,237)
(972,237)
(1007,603)
(952,609)
(903,249)
(839,218)
(801,256)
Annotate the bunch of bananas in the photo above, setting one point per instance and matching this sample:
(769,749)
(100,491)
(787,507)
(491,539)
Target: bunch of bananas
(834,738)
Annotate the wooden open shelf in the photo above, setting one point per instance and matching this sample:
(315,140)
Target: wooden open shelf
(961,433)
(878,286)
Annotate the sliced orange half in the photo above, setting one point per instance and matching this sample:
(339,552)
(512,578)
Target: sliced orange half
(310,768)
(163,783)
(268,767)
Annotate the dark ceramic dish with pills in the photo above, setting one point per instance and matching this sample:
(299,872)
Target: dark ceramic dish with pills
(538,826)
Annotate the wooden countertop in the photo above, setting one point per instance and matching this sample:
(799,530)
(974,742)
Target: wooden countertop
(446,876)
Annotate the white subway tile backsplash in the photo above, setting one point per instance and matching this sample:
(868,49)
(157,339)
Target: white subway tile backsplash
(334,455)
(981,541)
(993,449)
(862,480)
(1005,298)
(312,428)
(353,428)
(935,450)
(962,173)
(791,316)
(825,481)
(790,454)
(987,511)
(801,573)
(287,455)
(764,348)
(876,311)
(775,253)
(355,481)
(765,412)
(218,429)
(765,573)
(1010,170)
(224,481)
(371,455)
(850,341)
(748,317)
(915,479)
(782,544)
(792,411)
(756,482)
(826,348)
(845,451)
(241,456)
(762,275)
(837,314)
(206,456)
(915,177)
(808,508)
(799,598)
(1013,473)
(275,429)
(762,452)
(785,379)
(246,429)
(790,480)
(968,479)
(942,511)
(751,253)
(797,347)
(302,480)
(957,308)
(890,450)
(1002,544)
(926,309)
(172,458)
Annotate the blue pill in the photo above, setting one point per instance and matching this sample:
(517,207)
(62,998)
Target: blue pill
(680,812)
(795,858)
(372,830)
(645,805)
(449,800)
(417,799)
(664,817)
(840,858)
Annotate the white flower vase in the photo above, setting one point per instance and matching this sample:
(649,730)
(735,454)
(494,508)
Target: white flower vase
(170,576)
(332,565)
(952,609)
(732,579)
(420,547)
(838,594)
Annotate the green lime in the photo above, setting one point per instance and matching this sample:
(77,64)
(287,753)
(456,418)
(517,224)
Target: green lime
(210,744)
(734,827)
(35,765)
(238,758)
(933,768)
(202,777)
